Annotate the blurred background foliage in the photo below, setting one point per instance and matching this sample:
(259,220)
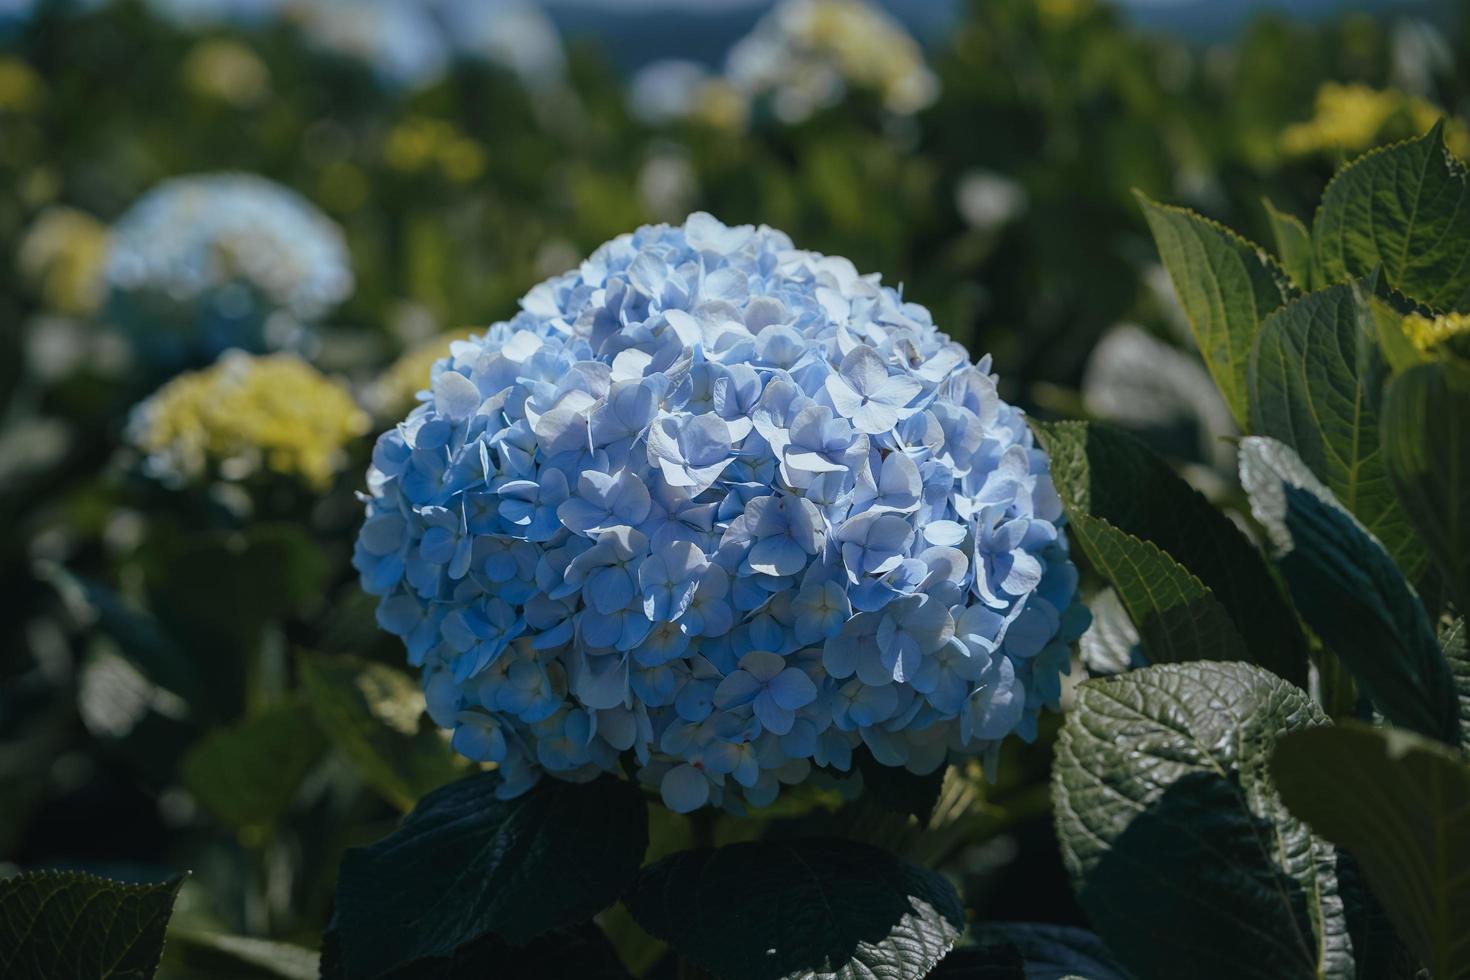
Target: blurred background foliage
(189,674)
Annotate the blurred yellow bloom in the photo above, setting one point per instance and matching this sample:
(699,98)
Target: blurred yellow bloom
(806,53)
(1061,13)
(721,106)
(1352,118)
(246,413)
(1426,333)
(63,254)
(228,71)
(418,144)
(395,390)
(20,87)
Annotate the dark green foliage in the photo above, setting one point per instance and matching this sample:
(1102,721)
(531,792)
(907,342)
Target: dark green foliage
(799,909)
(374,715)
(247,775)
(63,924)
(1227,285)
(464,864)
(1103,472)
(1348,590)
(1315,383)
(1401,805)
(1426,445)
(1165,769)
(1404,209)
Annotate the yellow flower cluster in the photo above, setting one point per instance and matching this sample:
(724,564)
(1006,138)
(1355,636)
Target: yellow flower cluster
(869,49)
(63,253)
(228,71)
(1353,118)
(1427,333)
(246,413)
(805,54)
(418,144)
(393,394)
(20,87)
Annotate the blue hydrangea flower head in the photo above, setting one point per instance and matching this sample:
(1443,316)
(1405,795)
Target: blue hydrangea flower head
(201,264)
(725,511)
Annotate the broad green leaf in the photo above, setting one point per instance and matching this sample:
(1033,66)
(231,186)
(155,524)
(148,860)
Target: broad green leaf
(1348,590)
(1227,286)
(1315,381)
(1178,617)
(220,956)
(799,910)
(1183,857)
(465,863)
(1104,472)
(1293,245)
(375,715)
(1426,445)
(579,953)
(62,924)
(247,775)
(1401,805)
(1404,209)
(1452,641)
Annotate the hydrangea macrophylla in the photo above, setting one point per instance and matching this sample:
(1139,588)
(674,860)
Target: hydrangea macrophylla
(726,510)
(202,264)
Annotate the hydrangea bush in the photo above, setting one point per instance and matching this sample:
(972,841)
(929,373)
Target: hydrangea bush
(246,414)
(204,263)
(729,508)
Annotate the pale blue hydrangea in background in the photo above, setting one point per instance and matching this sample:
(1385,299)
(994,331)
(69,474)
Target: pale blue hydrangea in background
(727,510)
(201,264)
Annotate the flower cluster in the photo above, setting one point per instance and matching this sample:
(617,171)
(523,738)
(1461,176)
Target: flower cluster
(804,55)
(205,263)
(724,509)
(245,414)
(411,43)
(62,253)
(1354,118)
(1428,334)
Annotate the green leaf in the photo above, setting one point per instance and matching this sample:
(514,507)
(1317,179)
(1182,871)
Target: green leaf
(1457,653)
(1104,472)
(1315,380)
(896,789)
(799,909)
(1165,769)
(1293,245)
(56,924)
(375,715)
(1401,805)
(1404,209)
(1227,286)
(1349,591)
(1426,445)
(219,956)
(247,776)
(581,952)
(1178,617)
(465,863)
